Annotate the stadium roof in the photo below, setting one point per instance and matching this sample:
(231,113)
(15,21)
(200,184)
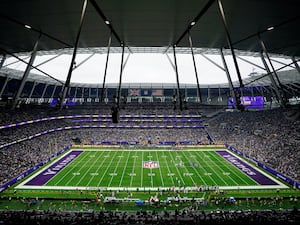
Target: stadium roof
(152,25)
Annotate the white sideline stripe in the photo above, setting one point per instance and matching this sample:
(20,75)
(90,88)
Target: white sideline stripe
(150,188)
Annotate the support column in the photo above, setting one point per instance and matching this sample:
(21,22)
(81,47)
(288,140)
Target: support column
(68,80)
(53,92)
(32,89)
(44,91)
(75,94)
(17,61)
(277,92)
(208,100)
(264,49)
(83,61)
(26,74)
(220,97)
(230,42)
(69,91)
(212,61)
(106,64)
(170,61)
(4,85)
(261,92)
(126,60)
(297,87)
(48,60)
(296,64)
(254,64)
(195,67)
(41,98)
(284,64)
(242,93)
(231,88)
(177,78)
(120,81)
(252,91)
(2,60)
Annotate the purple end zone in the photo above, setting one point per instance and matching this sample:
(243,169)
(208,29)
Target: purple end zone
(247,169)
(55,168)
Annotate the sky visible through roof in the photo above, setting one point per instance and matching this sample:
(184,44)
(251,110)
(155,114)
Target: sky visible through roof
(145,68)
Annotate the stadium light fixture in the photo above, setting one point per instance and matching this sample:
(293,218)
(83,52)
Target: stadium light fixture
(270,28)
(107,22)
(27,26)
(193,23)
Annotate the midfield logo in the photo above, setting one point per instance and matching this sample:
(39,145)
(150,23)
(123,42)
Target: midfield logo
(150,164)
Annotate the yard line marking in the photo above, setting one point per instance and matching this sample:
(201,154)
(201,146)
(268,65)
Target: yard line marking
(125,166)
(161,176)
(150,170)
(89,168)
(195,170)
(142,170)
(179,156)
(116,168)
(106,169)
(204,161)
(231,171)
(169,171)
(97,168)
(179,174)
(70,170)
(133,167)
(214,165)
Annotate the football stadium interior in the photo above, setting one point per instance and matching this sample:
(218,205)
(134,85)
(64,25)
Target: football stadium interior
(131,152)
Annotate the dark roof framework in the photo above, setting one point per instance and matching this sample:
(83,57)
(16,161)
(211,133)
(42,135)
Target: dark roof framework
(155,23)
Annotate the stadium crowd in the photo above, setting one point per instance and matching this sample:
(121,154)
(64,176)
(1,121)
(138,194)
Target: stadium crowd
(18,158)
(182,217)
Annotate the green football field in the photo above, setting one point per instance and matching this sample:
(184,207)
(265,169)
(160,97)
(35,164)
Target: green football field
(138,169)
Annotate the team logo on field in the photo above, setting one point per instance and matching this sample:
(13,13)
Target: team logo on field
(150,164)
